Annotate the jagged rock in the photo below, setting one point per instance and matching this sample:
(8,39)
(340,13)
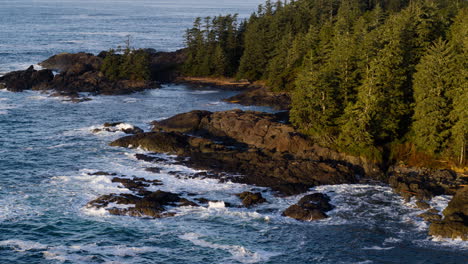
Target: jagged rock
(310,207)
(264,131)
(250,199)
(303,214)
(155,141)
(260,167)
(267,151)
(148,158)
(422,205)
(455,222)
(184,123)
(72,61)
(153,169)
(152,204)
(19,81)
(423,183)
(430,217)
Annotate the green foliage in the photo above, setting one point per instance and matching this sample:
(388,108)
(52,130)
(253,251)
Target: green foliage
(131,65)
(363,74)
(213,46)
(435,78)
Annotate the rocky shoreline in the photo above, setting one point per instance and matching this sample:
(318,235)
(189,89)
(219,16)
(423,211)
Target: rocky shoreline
(259,148)
(266,151)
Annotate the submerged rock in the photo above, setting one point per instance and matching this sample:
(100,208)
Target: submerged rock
(250,199)
(152,204)
(310,207)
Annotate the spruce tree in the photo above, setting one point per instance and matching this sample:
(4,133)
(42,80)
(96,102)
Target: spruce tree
(435,77)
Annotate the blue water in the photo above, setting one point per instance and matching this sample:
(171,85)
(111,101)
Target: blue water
(48,149)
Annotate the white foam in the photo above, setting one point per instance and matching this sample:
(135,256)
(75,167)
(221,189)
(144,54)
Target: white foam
(85,253)
(440,202)
(392,240)
(61,145)
(124,126)
(96,212)
(238,253)
(131,100)
(216,205)
(378,248)
(22,246)
(205,91)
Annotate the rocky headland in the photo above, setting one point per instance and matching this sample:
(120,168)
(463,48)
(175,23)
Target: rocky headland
(68,74)
(265,150)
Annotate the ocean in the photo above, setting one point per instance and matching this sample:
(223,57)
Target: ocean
(48,152)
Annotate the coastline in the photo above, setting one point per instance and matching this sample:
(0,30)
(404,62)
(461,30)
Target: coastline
(408,182)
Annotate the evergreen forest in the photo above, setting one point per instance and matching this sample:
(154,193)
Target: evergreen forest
(382,79)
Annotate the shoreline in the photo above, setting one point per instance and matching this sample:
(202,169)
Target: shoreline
(284,147)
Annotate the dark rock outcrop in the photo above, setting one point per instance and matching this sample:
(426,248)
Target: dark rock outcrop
(261,167)
(78,72)
(19,81)
(264,131)
(152,204)
(250,199)
(310,207)
(455,222)
(423,183)
(262,96)
(76,63)
(261,146)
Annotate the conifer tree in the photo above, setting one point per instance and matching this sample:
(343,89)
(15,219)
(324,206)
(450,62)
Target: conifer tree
(434,79)
(459,95)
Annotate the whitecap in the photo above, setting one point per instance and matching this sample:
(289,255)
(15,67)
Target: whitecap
(238,253)
(378,248)
(217,205)
(205,91)
(21,245)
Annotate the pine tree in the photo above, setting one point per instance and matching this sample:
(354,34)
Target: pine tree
(459,94)
(434,78)
(110,65)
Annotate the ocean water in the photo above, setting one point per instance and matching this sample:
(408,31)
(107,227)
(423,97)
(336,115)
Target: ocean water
(48,150)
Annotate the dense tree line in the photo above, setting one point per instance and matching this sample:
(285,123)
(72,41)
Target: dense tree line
(126,64)
(364,75)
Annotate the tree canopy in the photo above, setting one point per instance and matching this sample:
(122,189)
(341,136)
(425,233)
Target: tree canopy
(363,74)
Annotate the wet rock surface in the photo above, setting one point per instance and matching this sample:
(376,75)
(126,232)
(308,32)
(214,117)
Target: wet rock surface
(263,147)
(455,222)
(250,199)
(424,184)
(310,207)
(150,204)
